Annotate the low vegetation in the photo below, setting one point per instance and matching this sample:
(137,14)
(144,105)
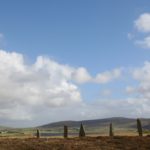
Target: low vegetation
(86,143)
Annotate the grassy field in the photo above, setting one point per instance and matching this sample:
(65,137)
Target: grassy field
(72,132)
(96,139)
(87,143)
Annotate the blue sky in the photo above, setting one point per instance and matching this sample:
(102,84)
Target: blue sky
(94,30)
(99,36)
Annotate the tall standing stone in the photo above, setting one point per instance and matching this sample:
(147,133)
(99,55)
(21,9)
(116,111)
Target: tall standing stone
(65,131)
(81,132)
(111,130)
(38,133)
(139,127)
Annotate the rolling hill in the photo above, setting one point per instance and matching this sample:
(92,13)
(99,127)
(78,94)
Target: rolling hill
(118,122)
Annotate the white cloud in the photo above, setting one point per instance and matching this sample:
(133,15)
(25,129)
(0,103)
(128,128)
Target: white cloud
(142,75)
(142,24)
(136,105)
(30,89)
(130,90)
(106,92)
(145,43)
(27,87)
(31,93)
(139,99)
(108,76)
(43,92)
(102,108)
(81,75)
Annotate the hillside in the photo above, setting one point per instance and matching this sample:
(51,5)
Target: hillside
(118,122)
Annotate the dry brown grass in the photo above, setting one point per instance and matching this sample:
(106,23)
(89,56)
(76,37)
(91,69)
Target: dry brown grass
(87,143)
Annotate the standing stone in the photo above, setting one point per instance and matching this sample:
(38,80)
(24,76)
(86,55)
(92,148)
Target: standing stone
(65,131)
(81,132)
(111,130)
(38,134)
(139,127)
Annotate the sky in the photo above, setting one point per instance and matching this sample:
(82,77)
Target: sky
(73,60)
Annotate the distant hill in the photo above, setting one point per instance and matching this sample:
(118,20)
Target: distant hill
(118,122)
(4,128)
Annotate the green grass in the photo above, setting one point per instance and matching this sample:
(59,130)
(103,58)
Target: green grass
(30,132)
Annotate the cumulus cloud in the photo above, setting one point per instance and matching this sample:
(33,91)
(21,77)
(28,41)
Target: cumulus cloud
(81,75)
(27,89)
(142,24)
(108,76)
(142,75)
(141,99)
(40,92)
